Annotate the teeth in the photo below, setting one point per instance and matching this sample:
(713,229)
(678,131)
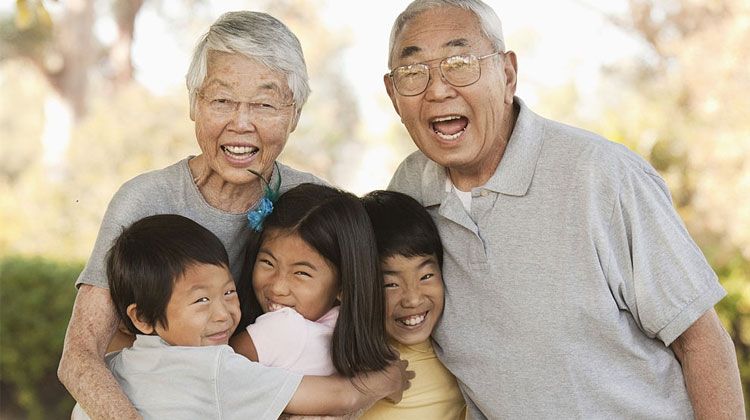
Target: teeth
(413,320)
(448,118)
(449,136)
(239,150)
(273,306)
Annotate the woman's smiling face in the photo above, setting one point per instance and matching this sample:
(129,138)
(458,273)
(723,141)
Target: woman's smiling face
(233,142)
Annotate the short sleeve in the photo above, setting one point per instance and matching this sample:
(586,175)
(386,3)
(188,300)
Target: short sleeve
(123,209)
(249,390)
(655,270)
(279,337)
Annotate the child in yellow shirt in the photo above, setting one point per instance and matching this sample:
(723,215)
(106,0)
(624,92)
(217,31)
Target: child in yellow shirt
(411,257)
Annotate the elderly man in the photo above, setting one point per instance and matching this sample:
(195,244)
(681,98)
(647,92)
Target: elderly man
(573,289)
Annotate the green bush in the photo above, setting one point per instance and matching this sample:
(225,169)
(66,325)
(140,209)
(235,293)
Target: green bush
(36,298)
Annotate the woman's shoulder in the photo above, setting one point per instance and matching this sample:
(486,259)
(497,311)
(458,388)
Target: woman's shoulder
(291,177)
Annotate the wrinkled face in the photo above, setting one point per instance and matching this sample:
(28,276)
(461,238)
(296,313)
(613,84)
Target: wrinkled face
(413,297)
(203,310)
(290,273)
(233,141)
(460,128)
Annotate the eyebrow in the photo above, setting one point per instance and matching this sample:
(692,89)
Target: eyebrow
(296,263)
(428,260)
(413,49)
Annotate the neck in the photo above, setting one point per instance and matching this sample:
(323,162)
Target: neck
(466,178)
(221,194)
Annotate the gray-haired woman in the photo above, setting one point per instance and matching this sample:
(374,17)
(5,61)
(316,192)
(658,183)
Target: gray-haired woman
(247,84)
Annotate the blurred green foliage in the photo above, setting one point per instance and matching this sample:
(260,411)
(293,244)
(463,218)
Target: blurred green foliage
(36,297)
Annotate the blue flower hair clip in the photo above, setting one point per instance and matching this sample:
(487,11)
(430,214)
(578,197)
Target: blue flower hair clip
(260,211)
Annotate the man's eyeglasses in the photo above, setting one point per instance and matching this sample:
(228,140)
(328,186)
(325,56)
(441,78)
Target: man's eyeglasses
(224,106)
(458,70)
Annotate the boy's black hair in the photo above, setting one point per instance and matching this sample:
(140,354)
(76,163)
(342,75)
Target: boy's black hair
(402,226)
(335,224)
(147,259)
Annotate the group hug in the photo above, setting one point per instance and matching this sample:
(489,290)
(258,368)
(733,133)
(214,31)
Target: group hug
(515,267)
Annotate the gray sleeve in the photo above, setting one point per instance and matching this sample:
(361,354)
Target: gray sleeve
(655,269)
(250,390)
(125,208)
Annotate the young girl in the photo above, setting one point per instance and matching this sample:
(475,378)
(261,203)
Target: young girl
(316,278)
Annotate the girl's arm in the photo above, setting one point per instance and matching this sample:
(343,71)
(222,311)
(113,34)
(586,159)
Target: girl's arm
(243,344)
(336,395)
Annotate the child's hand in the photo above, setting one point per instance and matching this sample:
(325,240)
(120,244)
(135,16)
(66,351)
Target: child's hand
(388,383)
(397,370)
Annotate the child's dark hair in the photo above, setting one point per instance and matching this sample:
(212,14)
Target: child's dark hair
(149,256)
(335,224)
(402,226)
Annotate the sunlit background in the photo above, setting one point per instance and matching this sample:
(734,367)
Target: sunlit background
(92,93)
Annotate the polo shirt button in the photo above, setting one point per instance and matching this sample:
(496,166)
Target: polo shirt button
(484,193)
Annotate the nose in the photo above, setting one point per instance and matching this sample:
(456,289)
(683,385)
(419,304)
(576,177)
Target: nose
(279,286)
(244,118)
(438,89)
(411,298)
(221,311)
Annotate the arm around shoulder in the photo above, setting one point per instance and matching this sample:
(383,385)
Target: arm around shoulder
(82,369)
(709,365)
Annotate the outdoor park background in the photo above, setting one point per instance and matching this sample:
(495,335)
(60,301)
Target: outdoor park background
(92,93)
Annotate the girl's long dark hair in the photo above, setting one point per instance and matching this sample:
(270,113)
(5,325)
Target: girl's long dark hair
(336,225)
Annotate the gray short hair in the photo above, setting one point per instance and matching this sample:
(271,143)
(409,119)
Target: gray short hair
(489,22)
(258,36)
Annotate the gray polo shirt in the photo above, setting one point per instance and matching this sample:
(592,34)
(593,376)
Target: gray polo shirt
(566,282)
(171,190)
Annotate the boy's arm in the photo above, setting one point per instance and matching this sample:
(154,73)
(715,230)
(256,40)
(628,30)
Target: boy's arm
(82,369)
(336,395)
(243,344)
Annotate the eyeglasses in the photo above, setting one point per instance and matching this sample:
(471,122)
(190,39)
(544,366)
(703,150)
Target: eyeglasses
(224,106)
(458,70)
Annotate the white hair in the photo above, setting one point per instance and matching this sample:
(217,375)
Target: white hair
(258,36)
(489,22)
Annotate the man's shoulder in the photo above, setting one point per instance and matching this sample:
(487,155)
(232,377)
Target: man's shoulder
(411,174)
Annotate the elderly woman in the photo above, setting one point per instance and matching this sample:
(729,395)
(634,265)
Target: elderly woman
(247,83)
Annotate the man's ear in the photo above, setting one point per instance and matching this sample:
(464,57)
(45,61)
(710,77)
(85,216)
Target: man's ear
(388,82)
(142,326)
(510,67)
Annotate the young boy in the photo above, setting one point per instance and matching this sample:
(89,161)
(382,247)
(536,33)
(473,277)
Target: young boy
(411,257)
(170,284)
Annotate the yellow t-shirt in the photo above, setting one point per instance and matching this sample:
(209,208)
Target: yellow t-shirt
(433,394)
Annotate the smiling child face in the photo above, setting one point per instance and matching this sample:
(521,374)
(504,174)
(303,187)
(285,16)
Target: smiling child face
(414,297)
(290,273)
(204,309)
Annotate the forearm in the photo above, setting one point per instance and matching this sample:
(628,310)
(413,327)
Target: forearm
(709,366)
(336,395)
(325,395)
(82,369)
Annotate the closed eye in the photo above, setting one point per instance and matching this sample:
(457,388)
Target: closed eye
(265,262)
(302,273)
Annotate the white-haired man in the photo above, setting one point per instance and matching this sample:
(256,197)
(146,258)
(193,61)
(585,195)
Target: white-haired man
(573,289)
